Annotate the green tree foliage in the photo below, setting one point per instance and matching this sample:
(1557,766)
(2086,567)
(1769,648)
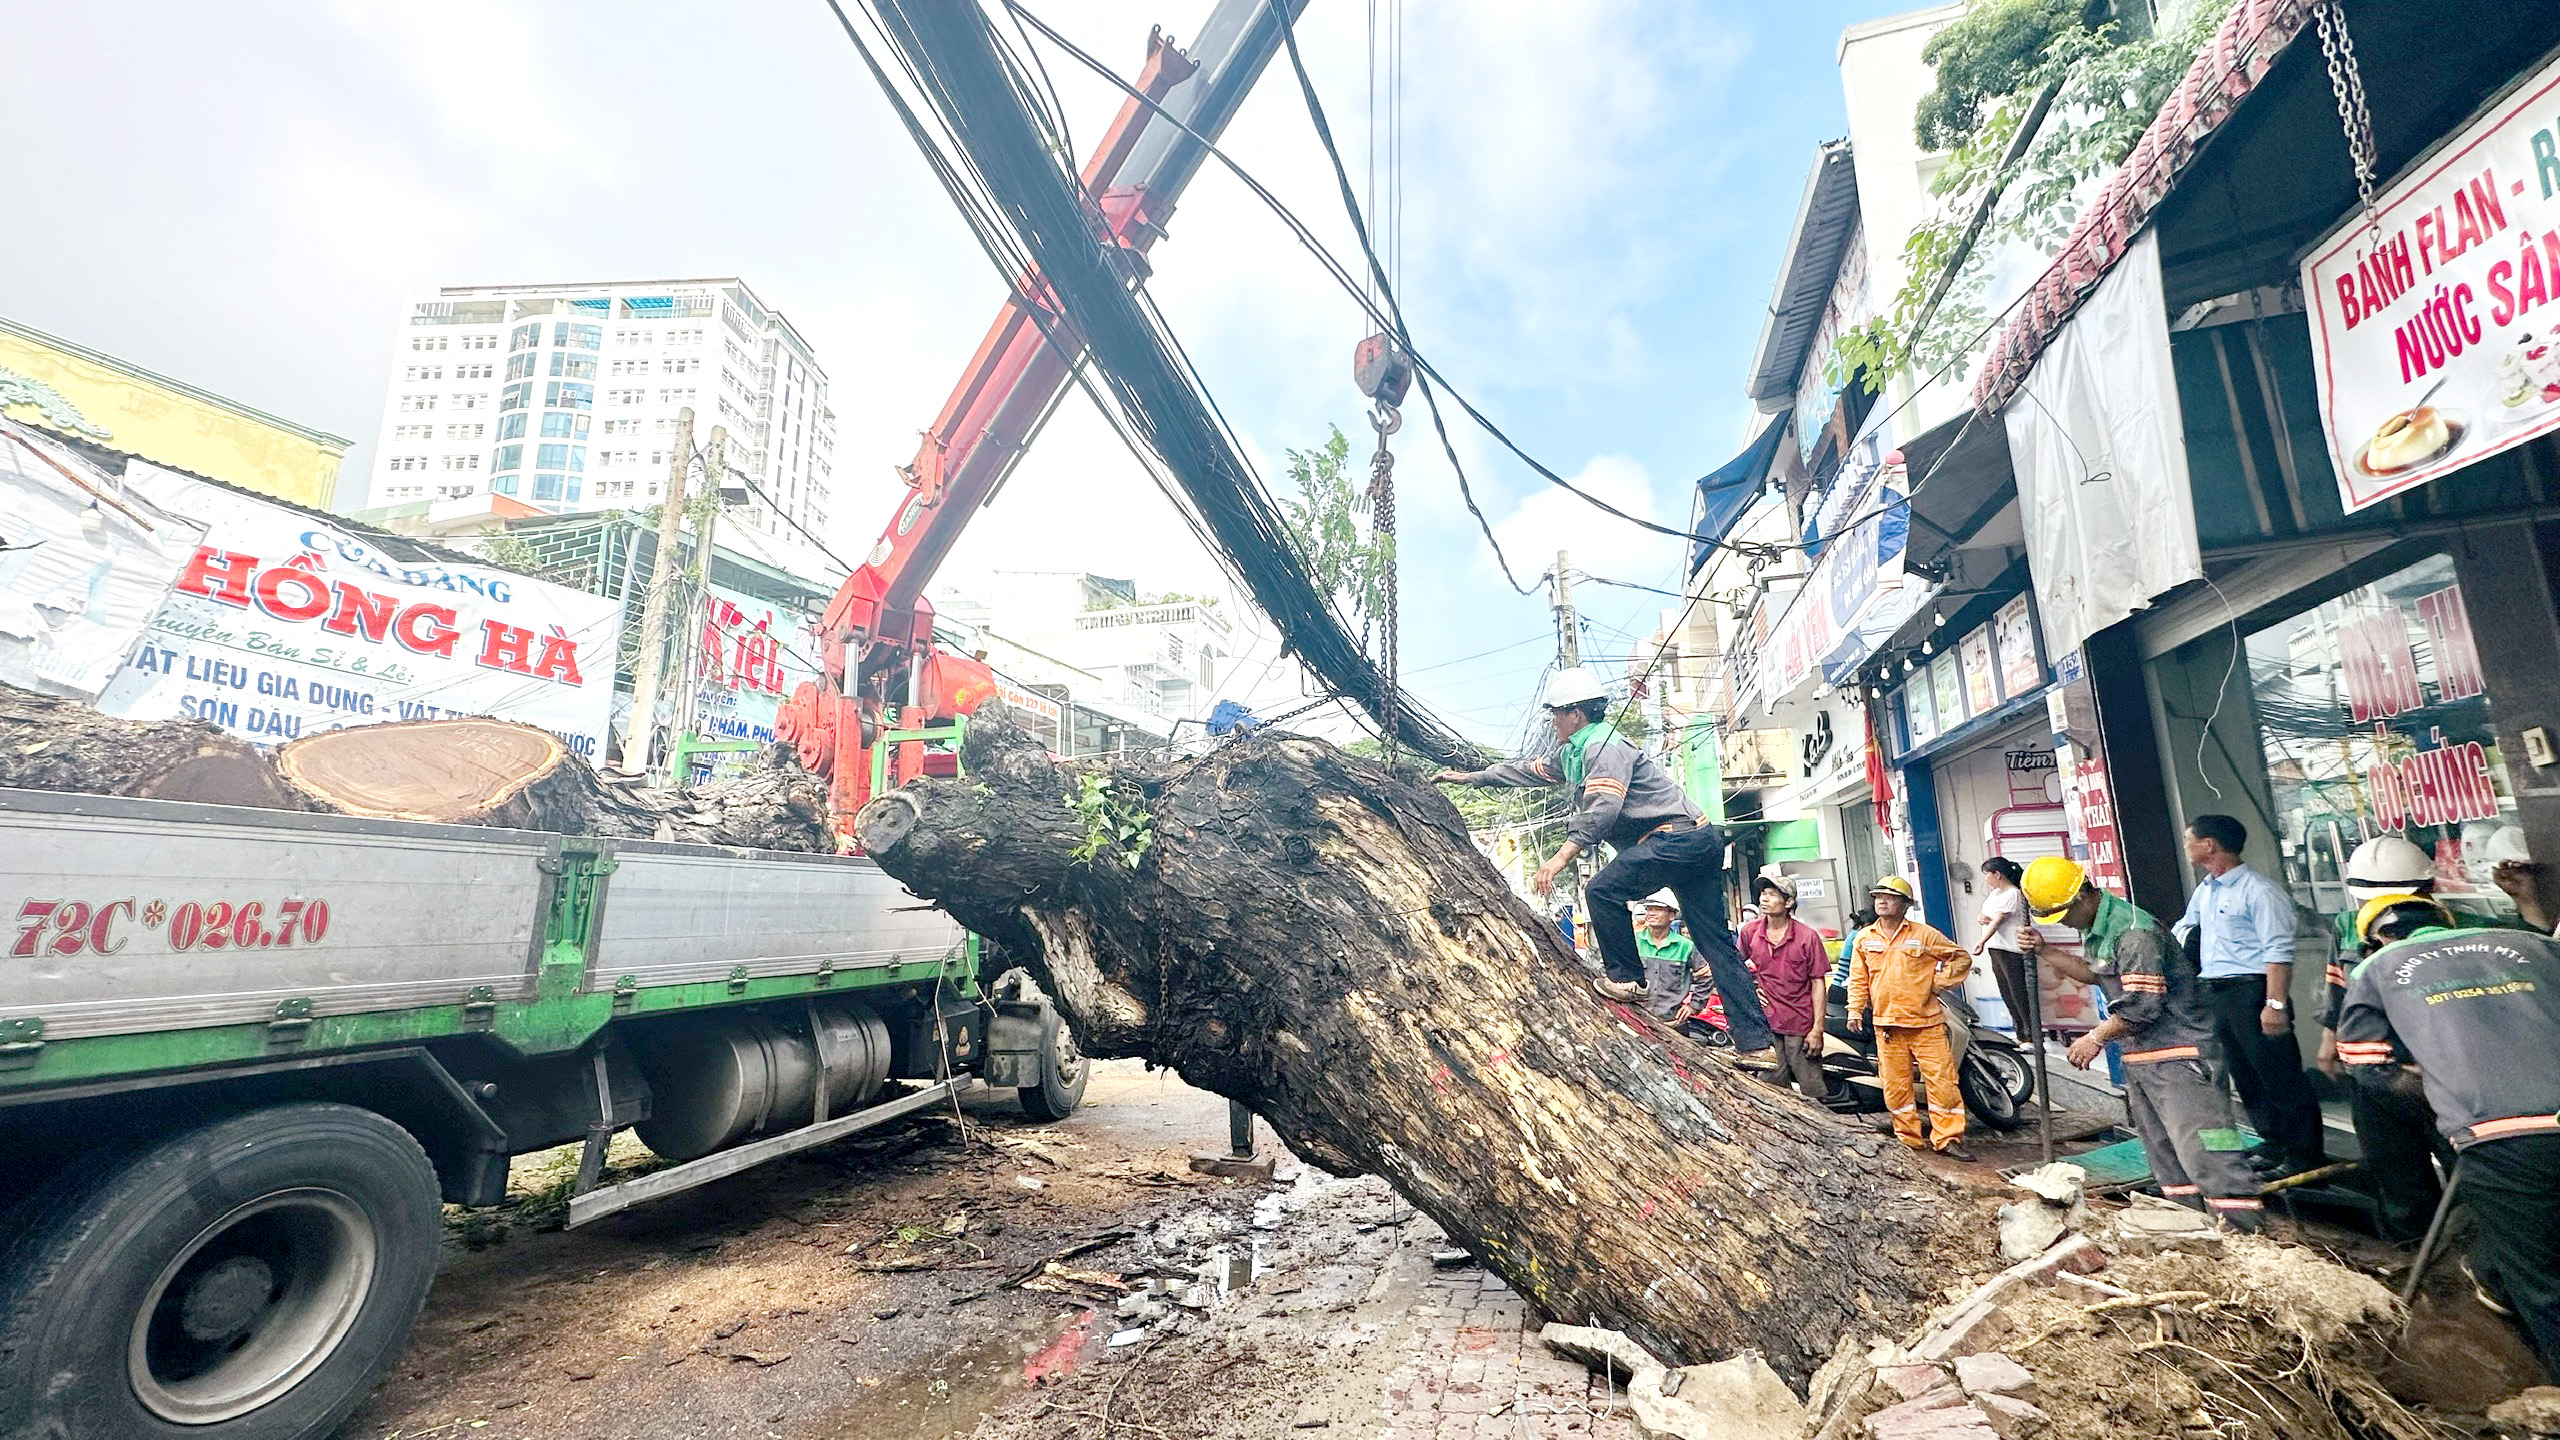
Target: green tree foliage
(1992,65)
(1344,561)
(1999,48)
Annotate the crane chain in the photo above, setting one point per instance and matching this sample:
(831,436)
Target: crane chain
(1384,419)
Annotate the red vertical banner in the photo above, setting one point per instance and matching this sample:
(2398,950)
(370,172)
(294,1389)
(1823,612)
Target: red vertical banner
(1879,779)
(2457,656)
(2093,816)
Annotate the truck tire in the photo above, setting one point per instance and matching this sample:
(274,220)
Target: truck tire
(1063,1072)
(247,1280)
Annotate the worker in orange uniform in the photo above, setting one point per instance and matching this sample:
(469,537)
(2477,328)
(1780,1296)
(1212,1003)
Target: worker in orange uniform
(1897,966)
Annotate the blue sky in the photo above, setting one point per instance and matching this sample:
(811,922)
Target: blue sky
(1595,195)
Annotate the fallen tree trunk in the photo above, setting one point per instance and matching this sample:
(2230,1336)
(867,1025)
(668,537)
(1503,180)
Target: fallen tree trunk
(1307,933)
(461,771)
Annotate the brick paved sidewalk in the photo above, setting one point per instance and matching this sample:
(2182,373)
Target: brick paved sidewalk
(1477,1372)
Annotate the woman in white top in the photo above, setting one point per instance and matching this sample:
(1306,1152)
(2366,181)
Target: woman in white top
(2004,924)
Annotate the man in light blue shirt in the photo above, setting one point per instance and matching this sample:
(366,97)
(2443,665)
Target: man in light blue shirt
(2241,924)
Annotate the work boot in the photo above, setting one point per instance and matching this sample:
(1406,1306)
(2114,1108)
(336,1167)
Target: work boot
(1957,1152)
(1619,990)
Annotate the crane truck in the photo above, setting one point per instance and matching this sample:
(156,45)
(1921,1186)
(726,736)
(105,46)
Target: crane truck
(246,1055)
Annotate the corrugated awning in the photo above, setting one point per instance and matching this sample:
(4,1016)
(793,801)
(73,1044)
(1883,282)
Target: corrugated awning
(2223,75)
(1725,492)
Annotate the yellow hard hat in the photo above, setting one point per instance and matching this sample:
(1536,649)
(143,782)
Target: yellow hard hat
(1893,885)
(2051,883)
(2372,911)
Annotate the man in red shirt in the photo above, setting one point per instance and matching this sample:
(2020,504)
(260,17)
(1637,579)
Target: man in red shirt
(1787,959)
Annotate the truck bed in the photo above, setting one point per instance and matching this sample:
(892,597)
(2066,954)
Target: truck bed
(148,917)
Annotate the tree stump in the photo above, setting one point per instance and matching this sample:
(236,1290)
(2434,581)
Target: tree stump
(1310,934)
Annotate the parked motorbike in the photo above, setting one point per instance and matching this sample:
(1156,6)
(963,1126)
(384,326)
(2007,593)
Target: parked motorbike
(1992,1069)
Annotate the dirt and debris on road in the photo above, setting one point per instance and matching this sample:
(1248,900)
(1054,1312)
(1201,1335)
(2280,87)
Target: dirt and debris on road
(891,1287)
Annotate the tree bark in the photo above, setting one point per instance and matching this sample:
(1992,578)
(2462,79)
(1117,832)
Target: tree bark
(461,772)
(51,743)
(1316,937)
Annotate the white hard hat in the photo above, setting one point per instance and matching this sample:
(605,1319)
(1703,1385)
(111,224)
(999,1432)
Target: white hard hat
(2387,865)
(1663,898)
(1574,684)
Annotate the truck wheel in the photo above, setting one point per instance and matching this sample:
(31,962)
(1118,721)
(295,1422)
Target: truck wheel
(1063,1071)
(248,1280)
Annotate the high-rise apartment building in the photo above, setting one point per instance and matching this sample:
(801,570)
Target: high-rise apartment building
(565,396)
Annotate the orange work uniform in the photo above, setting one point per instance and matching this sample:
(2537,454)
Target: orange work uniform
(1898,974)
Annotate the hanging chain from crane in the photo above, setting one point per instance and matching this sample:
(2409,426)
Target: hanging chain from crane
(2346,82)
(1383,371)
(1384,419)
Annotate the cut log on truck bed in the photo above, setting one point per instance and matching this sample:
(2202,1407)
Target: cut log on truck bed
(51,743)
(1304,931)
(468,771)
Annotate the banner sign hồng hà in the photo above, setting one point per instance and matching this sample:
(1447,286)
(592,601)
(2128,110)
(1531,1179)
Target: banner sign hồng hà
(2436,342)
(282,625)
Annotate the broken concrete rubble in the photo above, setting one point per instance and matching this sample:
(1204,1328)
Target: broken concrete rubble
(2531,1412)
(1739,1398)
(2150,1232)
(2012,1417)
(1941,1414)
(1993,1373)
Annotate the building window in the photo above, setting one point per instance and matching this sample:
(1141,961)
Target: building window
(511,427)
(414,403)
(675,397)
(567,395)
(561,426)
(427,342)
(623,427)
(425,372)
(413,432)
(472,431)
(509,457)
(627,397)
(479,342)
(630,367)
(684,365)
(474,372)
(666,425)
(552,457)
(546,487)
(525,337)
(577,337)
(462,462)
(681,337)
(521,367)
(576,367)
(469,400)
(502,484)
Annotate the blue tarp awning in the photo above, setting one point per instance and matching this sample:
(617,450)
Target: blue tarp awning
(1729,490)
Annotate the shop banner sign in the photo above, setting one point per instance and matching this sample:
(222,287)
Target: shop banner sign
(748,656)
(2437,343)
(2013,642)
(2090,812)
(82,568)
(1981,684)
(282,625)
(1857,594)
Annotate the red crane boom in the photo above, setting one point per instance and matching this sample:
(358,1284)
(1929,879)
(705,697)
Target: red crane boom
(875,641)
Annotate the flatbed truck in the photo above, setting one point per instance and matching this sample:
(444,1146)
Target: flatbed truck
(246,1056)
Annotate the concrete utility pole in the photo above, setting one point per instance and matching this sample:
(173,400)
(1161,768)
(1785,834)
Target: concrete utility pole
(714,472)
(649,665)
(1568,628)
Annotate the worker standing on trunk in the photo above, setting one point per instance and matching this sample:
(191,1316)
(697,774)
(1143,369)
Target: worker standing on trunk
(2158,1013)
(1625,800)
(1897,966)
(2478,1011)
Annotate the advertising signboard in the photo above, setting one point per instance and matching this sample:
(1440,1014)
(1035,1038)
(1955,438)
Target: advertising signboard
(83,569)
(2436,341)
(282,625)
